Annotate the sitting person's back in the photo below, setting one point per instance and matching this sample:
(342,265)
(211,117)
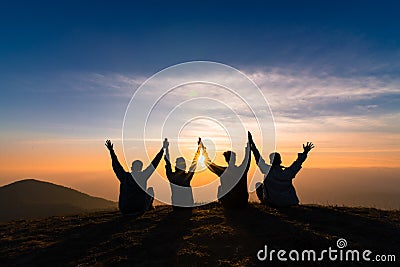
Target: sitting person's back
(232,193)
(181,191)
(134,196)
(277,189)
(278,186)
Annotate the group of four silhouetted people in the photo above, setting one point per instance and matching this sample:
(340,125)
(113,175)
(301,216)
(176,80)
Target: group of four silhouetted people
(276,190)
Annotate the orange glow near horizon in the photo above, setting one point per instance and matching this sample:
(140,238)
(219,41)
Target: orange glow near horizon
(85,164)
(348,150)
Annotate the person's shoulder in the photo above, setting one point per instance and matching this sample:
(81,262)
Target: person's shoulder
(136,174)
(123,172)
(276,169)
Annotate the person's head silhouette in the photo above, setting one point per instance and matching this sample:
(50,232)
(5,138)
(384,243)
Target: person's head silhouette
(137,166)
(230,157)
(275,159)
(180,164)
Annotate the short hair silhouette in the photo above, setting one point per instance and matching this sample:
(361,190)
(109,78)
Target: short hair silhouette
(180,164)
(137,166)
(275,159)
(230,155)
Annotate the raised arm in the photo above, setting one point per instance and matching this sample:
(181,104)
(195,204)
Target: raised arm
(168,168)
(247,159)
(117,167)
(193,166)
(264,167)
(153,165)
(301,157)
(196,157)
(218,170)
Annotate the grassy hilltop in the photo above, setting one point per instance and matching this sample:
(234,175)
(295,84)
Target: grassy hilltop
(209,236)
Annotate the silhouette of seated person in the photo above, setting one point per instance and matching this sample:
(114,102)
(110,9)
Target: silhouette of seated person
(232,193)
(134,199)
(182,195)
(277,189)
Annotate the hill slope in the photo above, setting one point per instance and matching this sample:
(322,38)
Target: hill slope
(209,236)
(31,198)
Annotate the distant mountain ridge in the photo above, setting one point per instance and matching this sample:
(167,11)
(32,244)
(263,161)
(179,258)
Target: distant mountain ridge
(32,198)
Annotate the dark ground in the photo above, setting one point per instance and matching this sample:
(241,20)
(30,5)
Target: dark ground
(207,237)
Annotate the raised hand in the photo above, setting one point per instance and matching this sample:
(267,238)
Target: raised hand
(109,145)
(165,143)
(201,144)
(250,137)
(308,147)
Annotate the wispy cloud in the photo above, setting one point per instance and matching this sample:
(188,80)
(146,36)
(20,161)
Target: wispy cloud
(358,103)
(299,99)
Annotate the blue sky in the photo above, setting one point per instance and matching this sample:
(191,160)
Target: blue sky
(330,71)
(123,36)
(69,68)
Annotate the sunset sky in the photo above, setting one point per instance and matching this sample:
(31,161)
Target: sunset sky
(329,70)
